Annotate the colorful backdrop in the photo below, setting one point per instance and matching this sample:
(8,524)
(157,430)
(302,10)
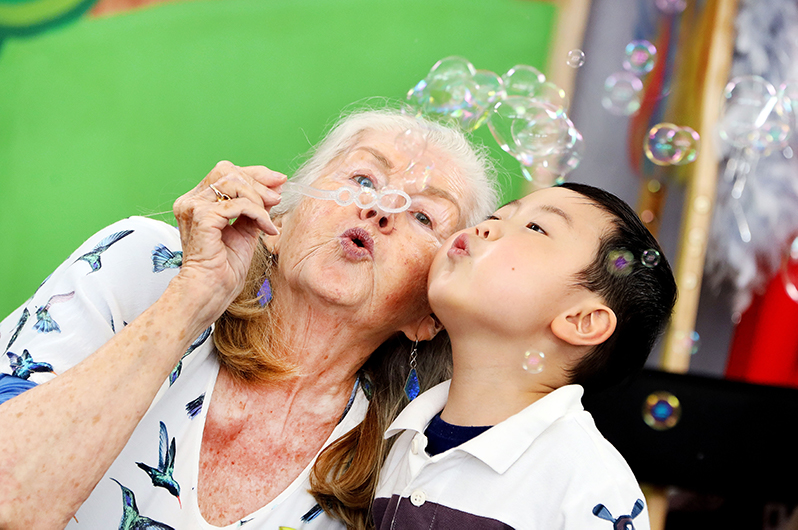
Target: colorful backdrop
(107,113)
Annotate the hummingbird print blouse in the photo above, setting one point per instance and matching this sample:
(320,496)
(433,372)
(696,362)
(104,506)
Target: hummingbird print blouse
(111,279)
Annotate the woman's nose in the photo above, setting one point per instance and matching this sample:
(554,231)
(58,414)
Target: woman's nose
(383,220)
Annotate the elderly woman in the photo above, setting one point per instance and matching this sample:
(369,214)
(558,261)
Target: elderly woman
(278,420)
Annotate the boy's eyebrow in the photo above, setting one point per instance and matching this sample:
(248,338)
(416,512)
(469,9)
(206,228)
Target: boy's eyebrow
(511,203)
(546,208)
(558,211)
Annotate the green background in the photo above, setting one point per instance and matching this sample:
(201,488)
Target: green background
(103,118)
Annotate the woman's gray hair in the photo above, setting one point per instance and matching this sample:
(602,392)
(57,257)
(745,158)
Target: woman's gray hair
(470,161)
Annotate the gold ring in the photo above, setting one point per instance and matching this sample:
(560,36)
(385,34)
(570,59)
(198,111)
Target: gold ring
(219,195)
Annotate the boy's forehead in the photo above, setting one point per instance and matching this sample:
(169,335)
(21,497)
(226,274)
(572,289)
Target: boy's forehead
(575,209)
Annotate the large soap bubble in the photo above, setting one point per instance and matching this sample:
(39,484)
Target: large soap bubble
(751,118)
(622,93)
(523,80)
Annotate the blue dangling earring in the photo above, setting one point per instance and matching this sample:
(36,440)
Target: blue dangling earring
(411,385)
(265,293)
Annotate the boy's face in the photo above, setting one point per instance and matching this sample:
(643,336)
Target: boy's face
(516,270)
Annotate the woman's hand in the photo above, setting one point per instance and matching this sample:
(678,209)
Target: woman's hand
(219,235)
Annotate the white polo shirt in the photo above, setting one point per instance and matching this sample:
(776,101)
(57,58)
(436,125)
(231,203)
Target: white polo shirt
(546,468)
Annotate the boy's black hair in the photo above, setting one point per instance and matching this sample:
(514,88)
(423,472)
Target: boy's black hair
(642,296)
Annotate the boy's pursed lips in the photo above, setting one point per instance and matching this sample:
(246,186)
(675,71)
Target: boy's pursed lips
(459,246)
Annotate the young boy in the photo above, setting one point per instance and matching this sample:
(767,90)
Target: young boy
(545,298)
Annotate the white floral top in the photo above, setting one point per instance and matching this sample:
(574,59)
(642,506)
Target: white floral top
(106,283)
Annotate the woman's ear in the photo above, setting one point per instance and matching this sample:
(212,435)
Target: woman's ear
(424,329)
(587,324)
(273,242)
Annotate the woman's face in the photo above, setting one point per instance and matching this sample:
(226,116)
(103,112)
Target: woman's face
(371,263)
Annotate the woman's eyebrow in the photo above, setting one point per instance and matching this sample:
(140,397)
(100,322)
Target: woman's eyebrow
(381,158)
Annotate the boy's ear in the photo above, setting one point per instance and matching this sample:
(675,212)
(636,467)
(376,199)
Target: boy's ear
(424,329)
(587,324)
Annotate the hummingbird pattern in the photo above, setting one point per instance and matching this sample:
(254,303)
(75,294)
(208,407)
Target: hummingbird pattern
(20,324)
(163,258)
(93,256)
(194,345)
(131,518)
(44,322)
(194,406)
(162,475)
(117,295)
(23,366)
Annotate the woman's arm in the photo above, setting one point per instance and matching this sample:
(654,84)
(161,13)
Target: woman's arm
(59,438)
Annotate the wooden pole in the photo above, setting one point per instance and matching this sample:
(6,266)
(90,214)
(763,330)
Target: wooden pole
(700,190)
(572,16)
(569,34)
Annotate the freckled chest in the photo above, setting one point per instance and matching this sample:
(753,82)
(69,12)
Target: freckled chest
(251,452)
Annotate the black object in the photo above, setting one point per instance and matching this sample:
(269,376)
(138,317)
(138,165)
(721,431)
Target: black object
(732,437)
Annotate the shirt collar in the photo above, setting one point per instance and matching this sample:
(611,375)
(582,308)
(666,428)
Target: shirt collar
(504,443)
(417,415)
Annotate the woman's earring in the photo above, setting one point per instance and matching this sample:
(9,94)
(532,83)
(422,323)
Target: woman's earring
(411,385)
(265,293)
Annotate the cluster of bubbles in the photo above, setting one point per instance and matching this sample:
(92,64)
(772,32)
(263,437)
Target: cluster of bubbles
(620,262)
(526,114)
(623,89)
(667,144)
(756,119)
(534,361)
(755,116)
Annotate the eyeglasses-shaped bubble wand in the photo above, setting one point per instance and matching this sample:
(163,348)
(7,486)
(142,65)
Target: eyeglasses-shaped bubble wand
(388,200)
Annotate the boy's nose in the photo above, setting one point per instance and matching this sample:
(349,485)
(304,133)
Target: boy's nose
(488,231)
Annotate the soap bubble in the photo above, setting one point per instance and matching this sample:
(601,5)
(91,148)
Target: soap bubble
(788,101)
(576,58)
(622,93)
(639,57)
(789,270)
(564,160)
(751,117)
(418,174)
(523,80)
(525,127)
(446,90)
(620,262)
(661,410)
(688,341)
(668,144)
(486,90)
(553,95)
(534,361)
(671,7)
(650,258)
(411,143)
